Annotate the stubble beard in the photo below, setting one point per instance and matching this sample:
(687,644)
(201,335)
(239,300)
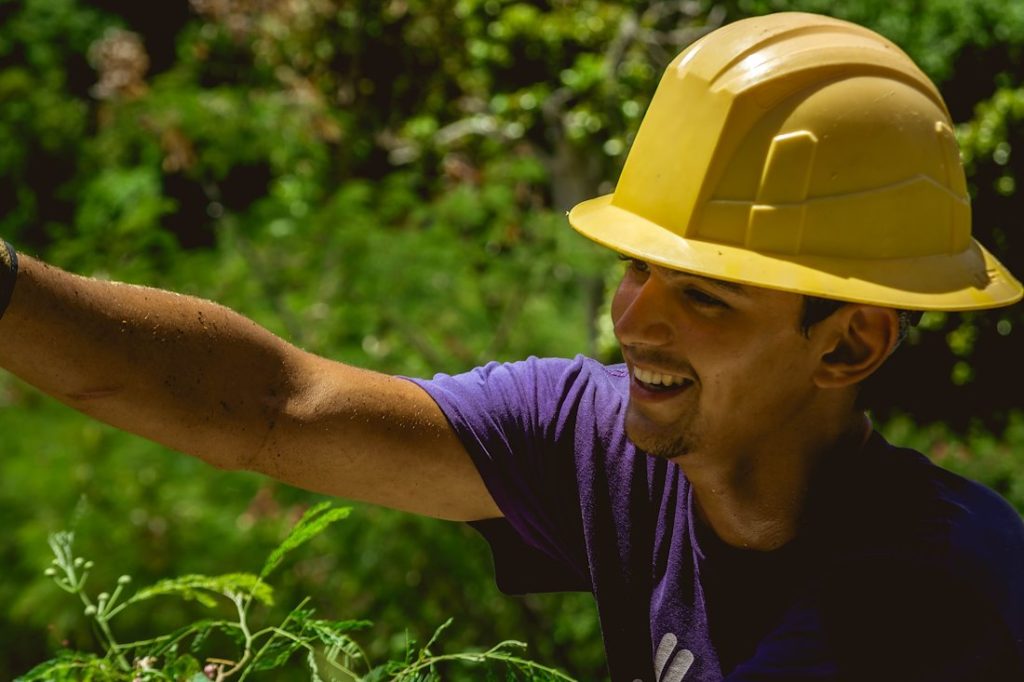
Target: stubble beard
(668,442)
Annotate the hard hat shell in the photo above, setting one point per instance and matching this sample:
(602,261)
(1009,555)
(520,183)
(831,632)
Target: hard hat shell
(799,152)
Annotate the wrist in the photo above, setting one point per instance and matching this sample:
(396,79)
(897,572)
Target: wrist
(8,274)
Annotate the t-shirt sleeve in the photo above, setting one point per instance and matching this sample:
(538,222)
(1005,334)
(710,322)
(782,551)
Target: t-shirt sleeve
(904,623)
(517,422)
(921,582)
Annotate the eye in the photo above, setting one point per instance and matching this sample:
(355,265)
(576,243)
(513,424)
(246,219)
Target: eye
(703,299)
(635,264)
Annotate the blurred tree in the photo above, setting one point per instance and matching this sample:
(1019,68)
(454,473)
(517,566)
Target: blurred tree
(384,183)
(958,367)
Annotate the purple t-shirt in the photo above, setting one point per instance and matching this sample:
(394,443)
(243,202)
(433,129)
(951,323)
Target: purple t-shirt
(901,571)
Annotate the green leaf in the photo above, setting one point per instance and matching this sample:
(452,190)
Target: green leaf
(425,651)
(230,629)
(184,667)
(199,587)
(377,674)
(68,665)
(313,522)
(284,640)
(276,653)
(199,630)
(314,672)
(332,635)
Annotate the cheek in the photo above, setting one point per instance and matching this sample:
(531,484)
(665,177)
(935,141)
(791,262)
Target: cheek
(770,381)
(742,374)
(624,295)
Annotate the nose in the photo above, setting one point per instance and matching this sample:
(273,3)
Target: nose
(641,313)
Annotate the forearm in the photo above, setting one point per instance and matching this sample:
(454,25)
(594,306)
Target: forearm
(204,380)
(185,372)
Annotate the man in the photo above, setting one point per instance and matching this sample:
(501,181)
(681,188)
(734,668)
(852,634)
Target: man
(722,493)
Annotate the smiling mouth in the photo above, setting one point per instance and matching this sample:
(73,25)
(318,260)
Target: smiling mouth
(659,382)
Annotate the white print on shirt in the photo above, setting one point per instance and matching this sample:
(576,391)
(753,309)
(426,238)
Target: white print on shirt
(677,662)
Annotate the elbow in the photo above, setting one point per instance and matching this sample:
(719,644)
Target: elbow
(222,462)
(261,451)
(90,395)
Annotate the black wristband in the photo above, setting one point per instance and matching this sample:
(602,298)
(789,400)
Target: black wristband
(8,274)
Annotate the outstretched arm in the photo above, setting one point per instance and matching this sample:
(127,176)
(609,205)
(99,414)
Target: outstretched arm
(199,378)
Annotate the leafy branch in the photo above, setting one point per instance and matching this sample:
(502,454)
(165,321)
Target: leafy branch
(330,651)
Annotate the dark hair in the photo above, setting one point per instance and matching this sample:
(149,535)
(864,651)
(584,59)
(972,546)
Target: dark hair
(817,309)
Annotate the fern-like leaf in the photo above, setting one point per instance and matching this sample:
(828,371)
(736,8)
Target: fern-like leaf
(203,587)
(313,522)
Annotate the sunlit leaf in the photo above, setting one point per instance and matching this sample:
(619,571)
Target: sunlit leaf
(202,588)
(312,523)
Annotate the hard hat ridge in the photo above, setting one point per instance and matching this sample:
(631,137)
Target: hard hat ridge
(804,153)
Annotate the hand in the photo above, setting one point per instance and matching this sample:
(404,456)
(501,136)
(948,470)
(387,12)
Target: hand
(8,273)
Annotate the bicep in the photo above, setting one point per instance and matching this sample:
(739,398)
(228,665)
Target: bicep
(367,436)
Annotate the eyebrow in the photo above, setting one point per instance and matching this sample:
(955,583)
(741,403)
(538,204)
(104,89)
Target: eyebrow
(733,287)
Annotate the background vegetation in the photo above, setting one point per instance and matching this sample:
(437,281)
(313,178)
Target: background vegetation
(385,183)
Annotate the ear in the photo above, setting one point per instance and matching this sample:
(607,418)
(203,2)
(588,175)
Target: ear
(858,340)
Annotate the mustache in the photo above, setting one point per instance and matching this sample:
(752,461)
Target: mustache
(659,359)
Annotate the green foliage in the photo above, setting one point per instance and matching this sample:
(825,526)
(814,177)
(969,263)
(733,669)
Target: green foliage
(997,459)
(385,184)
(938,34)
(972,50)
(330,651)
(313,522)
(199,587)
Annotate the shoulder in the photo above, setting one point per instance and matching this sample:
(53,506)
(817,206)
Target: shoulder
(926,560)
(967,536)
(886,494)
(533,401)
(563,371)
(538,380)
(970,522)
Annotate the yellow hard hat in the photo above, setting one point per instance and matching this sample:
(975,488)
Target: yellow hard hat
(804,153)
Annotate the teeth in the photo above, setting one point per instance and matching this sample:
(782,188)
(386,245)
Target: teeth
(657,378)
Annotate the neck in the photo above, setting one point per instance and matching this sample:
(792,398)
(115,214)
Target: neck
(755,500)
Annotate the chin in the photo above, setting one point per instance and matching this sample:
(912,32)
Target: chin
(660,445)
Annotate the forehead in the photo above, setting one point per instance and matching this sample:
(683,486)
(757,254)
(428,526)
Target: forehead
(740,293)
(734,287)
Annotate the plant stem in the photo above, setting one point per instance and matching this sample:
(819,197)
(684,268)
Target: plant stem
(113,646)
(275,631)
(491,654)
(243,625)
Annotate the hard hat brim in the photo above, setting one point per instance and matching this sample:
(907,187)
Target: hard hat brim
(970,280)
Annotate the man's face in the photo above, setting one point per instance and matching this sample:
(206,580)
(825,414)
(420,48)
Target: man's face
(715,367)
